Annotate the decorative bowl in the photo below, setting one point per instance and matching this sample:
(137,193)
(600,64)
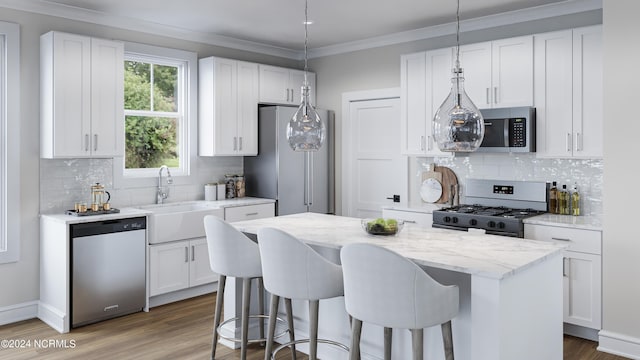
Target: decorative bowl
(382,226)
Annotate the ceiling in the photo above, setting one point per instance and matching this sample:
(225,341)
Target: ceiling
(279,23)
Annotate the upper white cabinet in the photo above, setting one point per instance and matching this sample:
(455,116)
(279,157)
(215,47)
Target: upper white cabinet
(228,107)
(568,95)
(425,81)
(499,73)
(280,85)
(81,96)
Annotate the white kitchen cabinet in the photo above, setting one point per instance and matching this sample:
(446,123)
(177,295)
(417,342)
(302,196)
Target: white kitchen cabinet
(228,107)
(249,212)
(582,271)
(412,217)
(425,81)
(179,265)
(81,96)
(280,85)
(499,73)
(568,96)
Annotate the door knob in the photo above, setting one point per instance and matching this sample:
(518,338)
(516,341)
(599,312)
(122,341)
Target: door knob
(395,198)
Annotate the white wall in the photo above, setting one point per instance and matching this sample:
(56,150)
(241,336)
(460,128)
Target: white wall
(19,281)
(621,243)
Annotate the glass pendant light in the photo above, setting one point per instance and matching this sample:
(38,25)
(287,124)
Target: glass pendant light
(458,125)
(305,130)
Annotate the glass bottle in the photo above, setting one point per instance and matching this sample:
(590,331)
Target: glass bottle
(553,198)
(563,201)
(575,201)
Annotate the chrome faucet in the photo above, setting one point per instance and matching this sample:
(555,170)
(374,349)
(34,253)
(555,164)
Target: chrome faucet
(163,191)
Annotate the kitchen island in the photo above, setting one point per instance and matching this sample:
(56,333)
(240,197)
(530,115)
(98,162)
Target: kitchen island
(510,288)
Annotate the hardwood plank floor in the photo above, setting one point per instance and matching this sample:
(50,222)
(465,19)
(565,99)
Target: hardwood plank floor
(175,331)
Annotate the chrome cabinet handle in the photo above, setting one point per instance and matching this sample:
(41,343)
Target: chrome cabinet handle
(86,142)
(422,143)
(251,214)
(95,142)
(193,253)
(409,221)
(560,239)
(569,142)
(235,143)
(495,95)
(186,254)
(566,267)
(488,96)
(429,143)
(578,142)
(240,142)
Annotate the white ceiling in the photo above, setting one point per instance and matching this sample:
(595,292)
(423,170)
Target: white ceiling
(278,23)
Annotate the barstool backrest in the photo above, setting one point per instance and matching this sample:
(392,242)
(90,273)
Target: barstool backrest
(293,270)
(387,289)
(231,252)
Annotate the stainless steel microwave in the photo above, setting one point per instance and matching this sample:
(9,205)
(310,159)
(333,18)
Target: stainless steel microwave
(509,130)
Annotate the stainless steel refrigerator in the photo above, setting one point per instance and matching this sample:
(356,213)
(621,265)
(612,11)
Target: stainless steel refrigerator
(298,181)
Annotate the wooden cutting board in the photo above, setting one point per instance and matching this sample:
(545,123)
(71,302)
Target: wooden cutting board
(448,178)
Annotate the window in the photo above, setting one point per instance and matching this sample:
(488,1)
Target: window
(159,110)
(9,137)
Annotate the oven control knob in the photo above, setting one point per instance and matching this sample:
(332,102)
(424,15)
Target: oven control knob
(473,222)
(447,219)
(492,224)
(501,225)
(455,220)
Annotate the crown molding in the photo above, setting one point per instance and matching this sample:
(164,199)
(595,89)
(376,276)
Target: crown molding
(513,17)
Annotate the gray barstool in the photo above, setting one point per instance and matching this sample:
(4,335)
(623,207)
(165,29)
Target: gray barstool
(293,270)
(231,253)
(384,288)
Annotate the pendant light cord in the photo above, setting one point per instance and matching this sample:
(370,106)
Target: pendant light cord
(458,36)
(306,39)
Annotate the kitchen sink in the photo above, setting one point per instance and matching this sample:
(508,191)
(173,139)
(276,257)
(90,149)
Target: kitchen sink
(178,221)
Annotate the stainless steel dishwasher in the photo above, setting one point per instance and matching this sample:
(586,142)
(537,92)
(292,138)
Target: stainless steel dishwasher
(108,269)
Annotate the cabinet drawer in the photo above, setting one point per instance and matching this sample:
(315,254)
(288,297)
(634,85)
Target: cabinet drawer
(419,218)
(586,241)
(249,212)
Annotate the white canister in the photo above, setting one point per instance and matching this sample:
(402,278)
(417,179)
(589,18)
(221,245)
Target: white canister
(221,191)
(211,192)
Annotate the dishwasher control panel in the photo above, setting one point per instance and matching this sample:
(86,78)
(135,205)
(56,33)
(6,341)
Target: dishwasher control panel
(108,226)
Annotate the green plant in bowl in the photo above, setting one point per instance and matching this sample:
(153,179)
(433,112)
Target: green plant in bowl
(381,226)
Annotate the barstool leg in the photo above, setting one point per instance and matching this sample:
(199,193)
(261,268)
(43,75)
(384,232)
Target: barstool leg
(246,304)
(292,335)
(417,343)
(273,312)
(217,316)
(356,330)
(447,338)
(388,332)
(261,304)
(314,307)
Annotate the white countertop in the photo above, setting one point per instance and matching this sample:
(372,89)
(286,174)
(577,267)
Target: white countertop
(577,222)
(426,208)
(129,212)
(490,256)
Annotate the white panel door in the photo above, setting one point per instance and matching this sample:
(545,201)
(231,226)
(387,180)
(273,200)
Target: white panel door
(583,289)
(476,62)
(168,267)
(512,72)
(413,86)
(247,108)
(199,266)
(379,171)
(225,82)
(274,85)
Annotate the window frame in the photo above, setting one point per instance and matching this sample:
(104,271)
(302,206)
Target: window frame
(10,136)
(132,178)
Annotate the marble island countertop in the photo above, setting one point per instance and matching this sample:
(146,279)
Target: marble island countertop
(490,256)
(588,222)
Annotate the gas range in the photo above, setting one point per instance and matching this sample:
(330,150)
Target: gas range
(498,207)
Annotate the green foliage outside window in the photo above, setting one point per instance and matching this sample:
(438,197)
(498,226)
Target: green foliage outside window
(151,135)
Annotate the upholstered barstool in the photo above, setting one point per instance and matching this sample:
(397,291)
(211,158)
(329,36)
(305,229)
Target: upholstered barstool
(384,288)
(231,253)
(293,270)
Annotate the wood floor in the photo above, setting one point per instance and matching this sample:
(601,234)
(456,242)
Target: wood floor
(176,331)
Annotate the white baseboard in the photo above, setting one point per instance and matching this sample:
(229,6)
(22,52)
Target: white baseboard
(53,317)
(619,344)
(18,312)
(182,294)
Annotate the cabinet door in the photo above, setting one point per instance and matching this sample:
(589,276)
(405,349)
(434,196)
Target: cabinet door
(247,108)
(225,108)
(439,64)
(512,72)
(274,85)
(476,62)
(168,267)
(71,77)
(107,98)
(553,91)
(413,104)
(587,92)
(199,267)
(249,212)
(582,289)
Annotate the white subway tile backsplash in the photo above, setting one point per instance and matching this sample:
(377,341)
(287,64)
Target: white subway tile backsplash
(587,173)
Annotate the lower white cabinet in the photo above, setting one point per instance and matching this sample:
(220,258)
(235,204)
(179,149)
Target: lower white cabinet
(179,265)
(414,217)
(249,212)
(582,270)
